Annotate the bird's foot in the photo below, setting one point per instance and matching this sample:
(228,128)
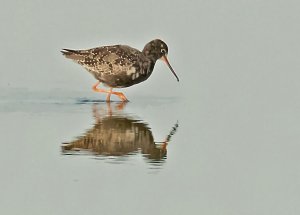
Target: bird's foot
(109,92)
(121,96)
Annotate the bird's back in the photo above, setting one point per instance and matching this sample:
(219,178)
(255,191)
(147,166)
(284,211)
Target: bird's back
(116,66)
(95,57)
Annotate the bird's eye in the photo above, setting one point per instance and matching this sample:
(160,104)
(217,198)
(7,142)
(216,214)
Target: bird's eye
(163,51)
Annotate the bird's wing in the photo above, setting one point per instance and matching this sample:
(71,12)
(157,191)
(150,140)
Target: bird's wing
(106,59)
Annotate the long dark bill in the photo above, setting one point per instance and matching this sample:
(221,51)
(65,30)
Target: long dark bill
(165,59)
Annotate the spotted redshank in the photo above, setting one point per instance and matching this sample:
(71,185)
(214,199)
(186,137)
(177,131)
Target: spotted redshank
(120,66)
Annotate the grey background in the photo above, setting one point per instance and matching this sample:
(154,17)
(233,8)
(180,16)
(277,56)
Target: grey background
(237,103)
(248,47)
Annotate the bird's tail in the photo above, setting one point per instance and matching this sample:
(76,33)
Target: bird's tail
(72,54)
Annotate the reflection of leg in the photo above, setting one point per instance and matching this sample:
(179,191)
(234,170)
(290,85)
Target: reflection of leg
(121,105)
(109,110)
(96,113)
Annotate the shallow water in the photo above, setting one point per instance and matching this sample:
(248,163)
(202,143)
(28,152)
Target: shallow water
(80,155)
(118,135)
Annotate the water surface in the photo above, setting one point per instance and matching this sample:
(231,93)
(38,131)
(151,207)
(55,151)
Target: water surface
(74,154)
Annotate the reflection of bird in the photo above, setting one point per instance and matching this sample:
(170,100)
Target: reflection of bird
(120,66)
(119,135)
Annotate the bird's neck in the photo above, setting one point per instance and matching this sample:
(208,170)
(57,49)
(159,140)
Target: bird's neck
(150,55)
(147,64)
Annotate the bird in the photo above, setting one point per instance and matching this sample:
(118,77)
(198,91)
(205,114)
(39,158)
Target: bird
(120,66)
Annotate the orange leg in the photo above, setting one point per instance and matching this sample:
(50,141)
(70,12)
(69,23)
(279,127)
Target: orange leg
(97,89)
(109,94)
(119,94)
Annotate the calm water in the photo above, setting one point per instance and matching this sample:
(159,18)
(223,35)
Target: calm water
(118,136)
(72,154)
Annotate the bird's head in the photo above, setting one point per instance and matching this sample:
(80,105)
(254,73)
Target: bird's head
(158,49)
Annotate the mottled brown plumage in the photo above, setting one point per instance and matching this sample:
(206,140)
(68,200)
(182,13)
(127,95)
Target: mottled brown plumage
(120,66)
